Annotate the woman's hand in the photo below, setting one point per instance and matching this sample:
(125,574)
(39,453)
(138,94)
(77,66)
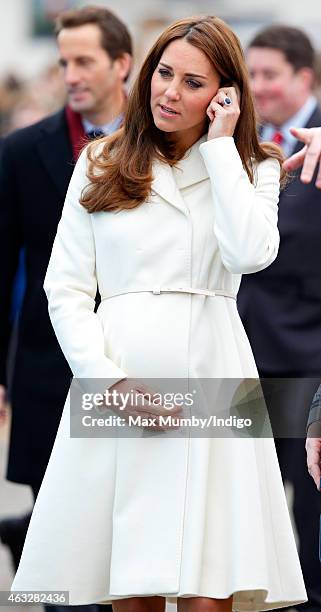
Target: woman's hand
(309,156)
(223,116)
(143,407)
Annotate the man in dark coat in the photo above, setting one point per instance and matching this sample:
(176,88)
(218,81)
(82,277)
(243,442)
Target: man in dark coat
(310,158)
(36,164)
(280,306)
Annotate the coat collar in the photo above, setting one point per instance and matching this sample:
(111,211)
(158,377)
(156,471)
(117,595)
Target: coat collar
(55,150)
(168,182)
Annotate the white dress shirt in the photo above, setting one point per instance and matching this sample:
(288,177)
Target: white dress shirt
(298,120)
(107,128)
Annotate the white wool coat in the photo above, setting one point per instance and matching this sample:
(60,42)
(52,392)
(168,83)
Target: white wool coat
(176,517)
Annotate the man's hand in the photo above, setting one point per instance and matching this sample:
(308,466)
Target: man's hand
(313,449)
(309,156)
(3,406)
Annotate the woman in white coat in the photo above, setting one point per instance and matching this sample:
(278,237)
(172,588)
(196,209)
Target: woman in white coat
(164,216)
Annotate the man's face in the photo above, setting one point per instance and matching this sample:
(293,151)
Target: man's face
(279,91)
(90,74)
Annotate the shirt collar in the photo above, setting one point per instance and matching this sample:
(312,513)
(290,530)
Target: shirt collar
(299,120)
(107,128)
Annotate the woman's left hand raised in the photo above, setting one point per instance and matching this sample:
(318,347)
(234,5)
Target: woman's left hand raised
(223,116)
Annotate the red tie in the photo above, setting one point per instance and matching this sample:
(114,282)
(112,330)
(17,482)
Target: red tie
(278,138)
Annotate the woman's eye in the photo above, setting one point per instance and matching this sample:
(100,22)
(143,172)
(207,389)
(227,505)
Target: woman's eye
(194,84)
(163,72)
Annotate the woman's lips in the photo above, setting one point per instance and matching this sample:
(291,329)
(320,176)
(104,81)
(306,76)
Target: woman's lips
(166,111)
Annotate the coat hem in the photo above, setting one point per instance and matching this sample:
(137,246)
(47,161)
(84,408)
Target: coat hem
(255,603)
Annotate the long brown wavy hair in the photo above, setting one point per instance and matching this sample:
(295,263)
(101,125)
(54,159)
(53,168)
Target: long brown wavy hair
(120,171)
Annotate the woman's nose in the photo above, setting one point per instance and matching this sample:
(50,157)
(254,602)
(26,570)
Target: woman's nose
(172,93)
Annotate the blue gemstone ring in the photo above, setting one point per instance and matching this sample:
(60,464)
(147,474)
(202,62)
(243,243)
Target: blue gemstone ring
(227,101)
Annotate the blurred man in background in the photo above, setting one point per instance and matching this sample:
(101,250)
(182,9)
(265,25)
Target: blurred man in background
(310,158)
(281,305)
(36,163)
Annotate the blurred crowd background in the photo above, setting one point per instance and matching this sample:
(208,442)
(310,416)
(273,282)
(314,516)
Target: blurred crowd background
(31,86)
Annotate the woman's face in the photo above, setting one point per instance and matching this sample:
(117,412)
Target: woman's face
(182,86)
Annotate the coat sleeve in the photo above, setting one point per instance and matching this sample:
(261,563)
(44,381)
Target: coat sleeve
(70,285)
(10,245)
(246,215)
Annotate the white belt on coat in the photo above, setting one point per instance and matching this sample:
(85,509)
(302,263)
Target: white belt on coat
(157,290)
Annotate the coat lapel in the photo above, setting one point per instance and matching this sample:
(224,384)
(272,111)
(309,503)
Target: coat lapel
(55,151)
(164,185)
(169,182)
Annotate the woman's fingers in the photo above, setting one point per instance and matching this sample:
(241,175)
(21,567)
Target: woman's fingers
(145,407)
(222,94)
(221,97)
(210,111)
(157,408)
(150,397)
(233,93)
(142,401)
(230,92)
(215,109)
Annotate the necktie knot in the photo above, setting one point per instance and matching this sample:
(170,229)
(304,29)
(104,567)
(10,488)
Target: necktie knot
(96,133)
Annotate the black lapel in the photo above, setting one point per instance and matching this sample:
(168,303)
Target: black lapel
(55,150)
